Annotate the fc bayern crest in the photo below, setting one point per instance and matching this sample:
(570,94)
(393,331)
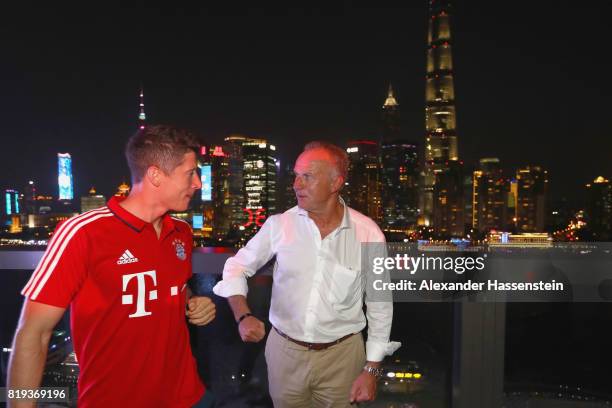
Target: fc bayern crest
(179,247)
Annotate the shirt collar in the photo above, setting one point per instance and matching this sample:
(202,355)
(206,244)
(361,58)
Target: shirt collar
(346,218)
(133,221)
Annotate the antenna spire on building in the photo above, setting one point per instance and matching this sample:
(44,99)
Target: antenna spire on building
(142,117)
(390,101)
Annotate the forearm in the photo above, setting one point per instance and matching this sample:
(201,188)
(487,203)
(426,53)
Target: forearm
(27,363)
(380,317)
(246,262)
(239,305)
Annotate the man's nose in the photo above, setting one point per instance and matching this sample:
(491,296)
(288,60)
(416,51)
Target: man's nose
(197,183)
(297,183)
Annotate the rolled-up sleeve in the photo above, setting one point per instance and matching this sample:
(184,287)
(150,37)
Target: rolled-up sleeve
(379,310)
(380,316)
(246,262)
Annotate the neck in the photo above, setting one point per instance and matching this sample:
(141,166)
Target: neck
(144,206)
(330,215)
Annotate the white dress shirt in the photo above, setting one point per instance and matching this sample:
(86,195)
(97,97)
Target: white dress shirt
(318,285)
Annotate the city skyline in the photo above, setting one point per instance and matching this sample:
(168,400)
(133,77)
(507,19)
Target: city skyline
(508,144)
(79,93)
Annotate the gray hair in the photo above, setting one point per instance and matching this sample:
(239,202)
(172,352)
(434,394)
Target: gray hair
(339,156)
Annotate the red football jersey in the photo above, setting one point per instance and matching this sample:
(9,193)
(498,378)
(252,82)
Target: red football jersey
(126,288)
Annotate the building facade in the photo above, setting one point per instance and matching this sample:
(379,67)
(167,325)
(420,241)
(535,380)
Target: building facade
(448,216)
(531,191)
(441,147)
(599,208)
(92,201)
(252,179)
(362,190)
(64,176)
(400,184)
(490,197)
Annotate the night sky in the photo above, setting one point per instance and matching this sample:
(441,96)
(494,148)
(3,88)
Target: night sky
(531,82)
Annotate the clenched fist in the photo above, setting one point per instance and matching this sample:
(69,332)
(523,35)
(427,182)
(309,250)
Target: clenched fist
(251,329)
(200,310)
(363,389)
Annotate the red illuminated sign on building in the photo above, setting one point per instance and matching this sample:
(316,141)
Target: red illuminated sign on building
(257,216)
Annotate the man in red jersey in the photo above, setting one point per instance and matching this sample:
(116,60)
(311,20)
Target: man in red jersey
(123,269)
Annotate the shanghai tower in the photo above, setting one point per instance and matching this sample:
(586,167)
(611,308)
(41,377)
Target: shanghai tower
(440,116)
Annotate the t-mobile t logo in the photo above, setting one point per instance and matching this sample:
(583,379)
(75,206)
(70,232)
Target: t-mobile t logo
(140,297)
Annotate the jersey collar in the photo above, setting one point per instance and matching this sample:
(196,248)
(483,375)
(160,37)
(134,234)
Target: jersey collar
(124,215)
(132,221)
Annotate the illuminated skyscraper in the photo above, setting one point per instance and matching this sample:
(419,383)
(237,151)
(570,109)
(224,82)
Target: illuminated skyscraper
(206,177)
(398,171)
(448,216)
(468,190)
(440,115)
(532,187)
(599,208)
(142,117)
(216,204)
(64,176)
(260,176)
(204,164)
(390,118)
(30,198)
(11,202)
(235,183)
(489,197)
(12,210)
(252,181)
(286,194)
(512,203)
(362,190)
(400,183)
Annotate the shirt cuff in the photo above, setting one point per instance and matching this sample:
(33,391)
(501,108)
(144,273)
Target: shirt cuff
(231,287)
(376,350)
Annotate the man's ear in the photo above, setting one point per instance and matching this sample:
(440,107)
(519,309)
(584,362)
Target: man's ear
(337,183)
(153,175)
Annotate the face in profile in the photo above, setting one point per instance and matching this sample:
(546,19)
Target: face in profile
(177,188)
(316,179)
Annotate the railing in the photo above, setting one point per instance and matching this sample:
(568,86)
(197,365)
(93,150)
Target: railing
(233,371)
(457,349)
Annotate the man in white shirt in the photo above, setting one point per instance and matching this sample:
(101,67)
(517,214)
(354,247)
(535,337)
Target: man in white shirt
(315,351)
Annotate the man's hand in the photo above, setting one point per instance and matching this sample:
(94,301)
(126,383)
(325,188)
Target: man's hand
(251,329)
(200,310)
(364,388)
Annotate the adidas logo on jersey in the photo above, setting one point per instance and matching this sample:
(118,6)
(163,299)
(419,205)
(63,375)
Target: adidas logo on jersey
(126,258)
